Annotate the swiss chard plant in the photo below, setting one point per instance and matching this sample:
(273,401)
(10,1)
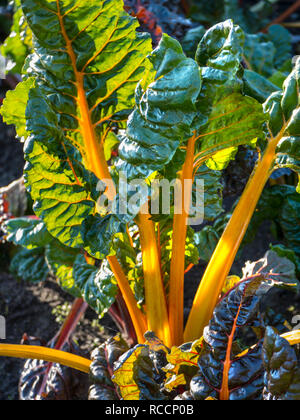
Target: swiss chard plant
(101,113)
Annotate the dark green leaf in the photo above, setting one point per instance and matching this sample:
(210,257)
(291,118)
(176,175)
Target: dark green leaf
(60,260)
(103,359)
(206,241)
(14,106)
(30,265)
(233,118)
(27,232)
(60,383)
(224,371)
(165,111)
(97,286)
(93,47)
(258,86)
(191,40)
(244,379)
(282,377)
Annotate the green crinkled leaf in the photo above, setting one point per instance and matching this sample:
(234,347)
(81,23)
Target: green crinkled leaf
(284,112)
(133,374)
(213,188)
(30,265)
(206,241)
(50,254)
(282,377)
(285,252)
(92,46)
(260,54)
(288,154)
(98,234)
(268,53)
(221,48)
(279,204)
(258,86)
(26,232)
(164,113)
(191,40)
(108,51)
(60,260)
(284,107)
(290,222)
(238,309)
(14,106)
(61,198)
(282,39)
(97,286)
(233,118)
(29,262)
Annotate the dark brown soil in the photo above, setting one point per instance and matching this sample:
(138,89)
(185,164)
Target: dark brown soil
(28,309)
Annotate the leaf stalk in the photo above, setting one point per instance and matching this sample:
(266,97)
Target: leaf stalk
(176,296)
(221,262)
(47,354)
(157,313)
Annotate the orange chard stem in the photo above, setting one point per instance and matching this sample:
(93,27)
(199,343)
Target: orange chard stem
(156,304)
(138,318)
(44,353)
(292,337)
(221,262)
(224,392)
(97,163)
(176,295)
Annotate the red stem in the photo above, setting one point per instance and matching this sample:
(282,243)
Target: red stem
(77,311)
(185,6)
(284,15)
(119,313)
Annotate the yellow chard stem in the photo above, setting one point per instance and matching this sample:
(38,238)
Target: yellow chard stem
(137,317)
(221,262)
(292,337)
(157,313)
(44,353)
(96,163)
(80,363)
(176,295)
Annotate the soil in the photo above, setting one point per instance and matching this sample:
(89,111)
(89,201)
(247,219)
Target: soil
(29,308)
